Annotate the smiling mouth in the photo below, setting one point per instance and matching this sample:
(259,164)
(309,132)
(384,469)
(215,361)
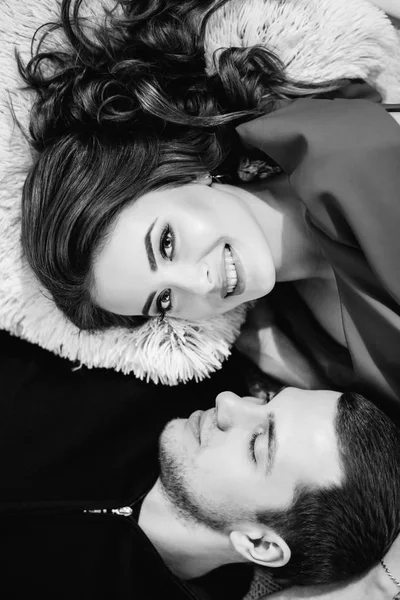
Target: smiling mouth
(230,272)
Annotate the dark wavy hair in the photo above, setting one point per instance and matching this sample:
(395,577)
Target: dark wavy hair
(123,108)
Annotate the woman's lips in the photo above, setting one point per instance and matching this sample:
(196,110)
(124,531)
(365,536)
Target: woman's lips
(241,280)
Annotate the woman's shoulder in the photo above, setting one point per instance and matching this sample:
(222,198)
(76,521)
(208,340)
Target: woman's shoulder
(305,133)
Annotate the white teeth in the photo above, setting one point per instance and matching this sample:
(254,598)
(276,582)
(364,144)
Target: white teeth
(230,270)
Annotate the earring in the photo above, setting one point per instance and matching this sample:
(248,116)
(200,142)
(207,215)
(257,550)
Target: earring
(209,179)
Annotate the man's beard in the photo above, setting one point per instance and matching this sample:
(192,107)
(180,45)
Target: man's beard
(174,476)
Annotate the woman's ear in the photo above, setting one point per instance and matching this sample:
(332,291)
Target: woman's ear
(204,179)
(263,547)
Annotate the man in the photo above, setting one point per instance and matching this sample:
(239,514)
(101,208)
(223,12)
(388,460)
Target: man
(306,485)
(77,460)
(77,440)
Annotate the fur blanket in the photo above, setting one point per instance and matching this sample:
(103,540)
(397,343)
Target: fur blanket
(316,39)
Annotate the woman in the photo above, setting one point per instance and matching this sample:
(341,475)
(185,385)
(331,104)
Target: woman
(195,250)
(108,229)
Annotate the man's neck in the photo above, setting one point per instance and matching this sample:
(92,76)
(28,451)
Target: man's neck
(189,549)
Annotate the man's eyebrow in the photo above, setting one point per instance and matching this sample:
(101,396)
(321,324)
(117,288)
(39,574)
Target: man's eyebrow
(147,304)
(149,248)
(272,443)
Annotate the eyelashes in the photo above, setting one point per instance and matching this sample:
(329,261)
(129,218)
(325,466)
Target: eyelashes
(252,445)
(167,243)
(167,250)
(164,303)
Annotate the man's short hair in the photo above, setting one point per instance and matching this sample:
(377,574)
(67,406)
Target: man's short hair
(340,531)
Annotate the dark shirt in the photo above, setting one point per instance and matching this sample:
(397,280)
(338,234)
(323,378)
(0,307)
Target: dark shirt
(73,443)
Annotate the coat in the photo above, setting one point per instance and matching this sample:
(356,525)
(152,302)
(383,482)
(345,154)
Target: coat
(342,158)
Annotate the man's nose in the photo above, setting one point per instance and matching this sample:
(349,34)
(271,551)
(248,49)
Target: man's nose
(229,409)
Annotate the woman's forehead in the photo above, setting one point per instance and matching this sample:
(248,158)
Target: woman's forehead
(121,270)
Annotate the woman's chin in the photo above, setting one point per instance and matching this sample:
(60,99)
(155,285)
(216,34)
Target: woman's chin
(258,293)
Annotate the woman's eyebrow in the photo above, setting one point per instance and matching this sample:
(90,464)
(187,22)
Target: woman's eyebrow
(153,266)
(149,248)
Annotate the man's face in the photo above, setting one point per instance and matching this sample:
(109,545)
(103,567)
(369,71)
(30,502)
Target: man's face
(225,464)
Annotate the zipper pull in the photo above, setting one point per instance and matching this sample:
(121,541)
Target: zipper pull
(124,511)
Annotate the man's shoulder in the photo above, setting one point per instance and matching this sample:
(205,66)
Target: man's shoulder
(73,554)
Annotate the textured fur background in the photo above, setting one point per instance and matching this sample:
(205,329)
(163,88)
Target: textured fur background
(317,39)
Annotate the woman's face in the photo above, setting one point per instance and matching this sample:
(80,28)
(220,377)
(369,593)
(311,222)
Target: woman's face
(193,251)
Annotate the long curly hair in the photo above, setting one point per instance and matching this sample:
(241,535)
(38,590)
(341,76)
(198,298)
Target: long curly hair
(123,108)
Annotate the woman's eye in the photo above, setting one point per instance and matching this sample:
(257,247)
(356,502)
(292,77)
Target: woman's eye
(164,303)
(167,243)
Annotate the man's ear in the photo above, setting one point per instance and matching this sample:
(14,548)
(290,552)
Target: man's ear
(261,546)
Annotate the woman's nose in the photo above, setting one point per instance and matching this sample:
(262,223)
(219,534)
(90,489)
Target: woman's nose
(193,278)
(230,410)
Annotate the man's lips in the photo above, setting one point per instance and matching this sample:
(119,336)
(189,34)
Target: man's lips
(201,424)
(196,423)
(193,423)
